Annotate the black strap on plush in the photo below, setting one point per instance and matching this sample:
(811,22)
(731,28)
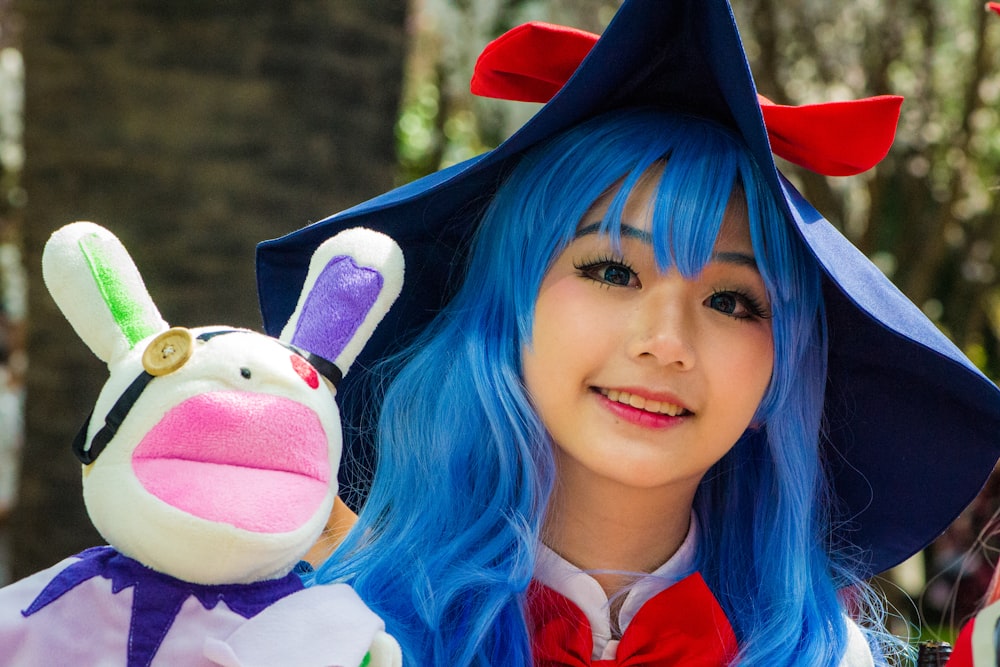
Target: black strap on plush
(209,335)
(112,421)
(128,398)
(326,368)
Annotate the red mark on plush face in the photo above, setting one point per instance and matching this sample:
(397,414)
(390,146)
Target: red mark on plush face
(305,371)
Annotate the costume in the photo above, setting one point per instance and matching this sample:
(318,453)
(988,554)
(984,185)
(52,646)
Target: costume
(898,395)
(209,465)
(977,644)
(976,647)
(201,625)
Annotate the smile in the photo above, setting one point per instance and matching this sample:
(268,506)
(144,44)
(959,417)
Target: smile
(641,403)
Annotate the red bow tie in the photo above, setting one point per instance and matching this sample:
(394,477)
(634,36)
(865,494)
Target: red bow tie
(683,625)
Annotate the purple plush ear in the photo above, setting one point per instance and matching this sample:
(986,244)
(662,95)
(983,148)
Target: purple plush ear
(353,279)
(336,306)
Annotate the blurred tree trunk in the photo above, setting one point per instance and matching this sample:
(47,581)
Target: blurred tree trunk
(192,130)
(442,122)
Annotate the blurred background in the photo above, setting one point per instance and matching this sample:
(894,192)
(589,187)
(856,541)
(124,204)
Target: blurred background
(194,130)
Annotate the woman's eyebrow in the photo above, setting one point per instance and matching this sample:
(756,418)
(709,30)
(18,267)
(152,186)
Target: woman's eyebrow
(738,258)
(627,231)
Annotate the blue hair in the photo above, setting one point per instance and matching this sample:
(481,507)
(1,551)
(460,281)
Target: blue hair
(445,545)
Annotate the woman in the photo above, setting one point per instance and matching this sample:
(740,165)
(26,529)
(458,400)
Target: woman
(664,382)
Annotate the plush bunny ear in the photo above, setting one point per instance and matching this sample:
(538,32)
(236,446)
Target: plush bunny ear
(98,288)
(353,279)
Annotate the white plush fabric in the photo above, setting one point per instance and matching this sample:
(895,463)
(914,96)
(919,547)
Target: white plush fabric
(168,539)
(68,271)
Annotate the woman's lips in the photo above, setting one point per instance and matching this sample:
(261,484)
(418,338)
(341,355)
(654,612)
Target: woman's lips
(645,411)
(640,402)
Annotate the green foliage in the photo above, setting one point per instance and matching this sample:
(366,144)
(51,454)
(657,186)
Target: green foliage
(441,123)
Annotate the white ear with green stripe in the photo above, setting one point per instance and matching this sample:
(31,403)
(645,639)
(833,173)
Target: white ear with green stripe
(98,288)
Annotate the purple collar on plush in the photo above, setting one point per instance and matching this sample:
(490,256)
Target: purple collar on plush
(157,598)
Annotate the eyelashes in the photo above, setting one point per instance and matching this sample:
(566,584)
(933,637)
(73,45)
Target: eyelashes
(758,307)
(739,304)
(608,270)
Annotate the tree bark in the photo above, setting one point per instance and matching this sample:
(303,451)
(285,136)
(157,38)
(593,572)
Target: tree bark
(193,131)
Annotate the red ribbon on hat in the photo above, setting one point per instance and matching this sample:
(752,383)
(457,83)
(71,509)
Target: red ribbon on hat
(531,62)
(683,625)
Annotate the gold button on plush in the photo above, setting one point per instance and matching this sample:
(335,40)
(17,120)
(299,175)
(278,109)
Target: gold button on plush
(168,351)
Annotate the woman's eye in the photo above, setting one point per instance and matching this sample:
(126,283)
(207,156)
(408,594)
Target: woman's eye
(723,302)
(610,273)
(617,275)
(735,304)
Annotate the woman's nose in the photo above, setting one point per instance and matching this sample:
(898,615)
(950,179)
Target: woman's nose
(662,330)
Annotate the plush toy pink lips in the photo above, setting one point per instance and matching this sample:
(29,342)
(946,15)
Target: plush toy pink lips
(255,461)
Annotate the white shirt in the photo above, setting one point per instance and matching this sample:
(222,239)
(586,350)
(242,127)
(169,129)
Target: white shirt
(585,592)
(582,589)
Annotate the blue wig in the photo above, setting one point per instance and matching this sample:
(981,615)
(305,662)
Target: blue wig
(445,545)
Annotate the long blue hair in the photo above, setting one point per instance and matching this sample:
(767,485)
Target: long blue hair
(445,545)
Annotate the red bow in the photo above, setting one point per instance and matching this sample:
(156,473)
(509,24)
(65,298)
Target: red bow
(531,62)
(683,625)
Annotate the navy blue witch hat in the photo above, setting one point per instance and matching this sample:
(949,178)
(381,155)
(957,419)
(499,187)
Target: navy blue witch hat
(913,427)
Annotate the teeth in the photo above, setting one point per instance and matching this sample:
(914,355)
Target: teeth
(641,403)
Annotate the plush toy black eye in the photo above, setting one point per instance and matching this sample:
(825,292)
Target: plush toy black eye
(245,372)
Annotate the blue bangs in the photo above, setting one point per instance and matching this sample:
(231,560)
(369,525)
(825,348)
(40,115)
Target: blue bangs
(701,170)
(559,183)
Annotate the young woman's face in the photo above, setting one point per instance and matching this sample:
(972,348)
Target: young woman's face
(645,378)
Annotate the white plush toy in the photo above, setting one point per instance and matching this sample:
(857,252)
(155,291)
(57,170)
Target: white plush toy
(209,466)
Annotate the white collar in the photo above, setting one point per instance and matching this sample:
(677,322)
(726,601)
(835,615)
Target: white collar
(585,592)
(581,589)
